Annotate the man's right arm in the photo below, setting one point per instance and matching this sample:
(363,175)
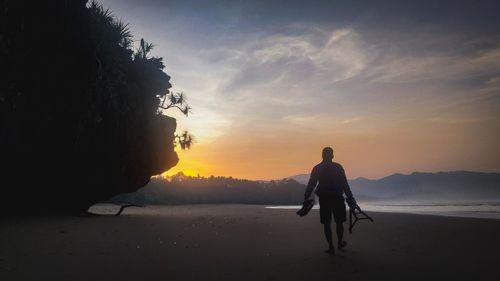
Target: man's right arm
(347,190)
(311,185)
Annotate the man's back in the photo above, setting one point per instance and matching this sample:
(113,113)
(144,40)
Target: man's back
(331,177)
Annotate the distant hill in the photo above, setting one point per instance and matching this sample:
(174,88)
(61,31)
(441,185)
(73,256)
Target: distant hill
(455,185)
(302,178)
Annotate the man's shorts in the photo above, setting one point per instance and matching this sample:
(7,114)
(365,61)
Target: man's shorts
(332,204)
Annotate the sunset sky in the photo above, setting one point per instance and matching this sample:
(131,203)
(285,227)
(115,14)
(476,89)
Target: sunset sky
(392,86)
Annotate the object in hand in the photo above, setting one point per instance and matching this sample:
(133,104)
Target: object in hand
(306,207)
(358,215)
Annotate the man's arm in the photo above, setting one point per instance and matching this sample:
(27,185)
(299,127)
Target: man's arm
(311,185)
(347,190)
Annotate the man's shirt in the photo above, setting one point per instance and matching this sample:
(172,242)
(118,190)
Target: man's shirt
(331,178)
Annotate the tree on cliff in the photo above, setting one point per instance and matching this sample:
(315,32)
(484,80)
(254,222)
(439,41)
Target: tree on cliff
(76,101)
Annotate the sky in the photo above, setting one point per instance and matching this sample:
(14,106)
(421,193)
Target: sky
(392,86)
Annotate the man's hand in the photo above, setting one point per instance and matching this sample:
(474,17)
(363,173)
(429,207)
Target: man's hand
(351,202)
(307,205)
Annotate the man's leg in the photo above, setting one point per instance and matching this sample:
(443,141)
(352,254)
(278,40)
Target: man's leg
(340,216)
(340,235)
(325,214)
(328,234)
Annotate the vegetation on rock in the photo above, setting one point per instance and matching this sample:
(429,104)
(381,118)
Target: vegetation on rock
(77,102)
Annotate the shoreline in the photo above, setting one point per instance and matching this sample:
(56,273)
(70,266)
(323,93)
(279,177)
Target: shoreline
(479,210)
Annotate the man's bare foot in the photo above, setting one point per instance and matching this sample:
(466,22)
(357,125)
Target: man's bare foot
(342,245)
(330,251)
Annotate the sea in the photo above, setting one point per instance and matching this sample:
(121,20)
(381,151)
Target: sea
(472,209)
(475,209)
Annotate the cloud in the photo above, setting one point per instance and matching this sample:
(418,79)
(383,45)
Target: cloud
(290,60)
(293,77)
(439,65)
(491,85)
(351,120)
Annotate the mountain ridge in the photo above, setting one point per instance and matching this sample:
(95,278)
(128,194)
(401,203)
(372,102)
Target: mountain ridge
(306,175)
(443,185)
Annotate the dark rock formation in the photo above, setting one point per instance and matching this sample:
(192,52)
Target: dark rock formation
(79,118)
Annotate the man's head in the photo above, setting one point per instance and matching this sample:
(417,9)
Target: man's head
(327,153)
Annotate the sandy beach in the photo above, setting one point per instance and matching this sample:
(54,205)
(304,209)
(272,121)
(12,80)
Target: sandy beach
(240,242)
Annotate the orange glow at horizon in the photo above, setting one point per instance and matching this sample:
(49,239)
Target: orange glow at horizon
(406,147)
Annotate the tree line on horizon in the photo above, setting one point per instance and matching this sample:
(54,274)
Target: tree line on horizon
(184,189)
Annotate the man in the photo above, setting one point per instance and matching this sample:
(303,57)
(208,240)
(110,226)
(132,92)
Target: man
(332,185)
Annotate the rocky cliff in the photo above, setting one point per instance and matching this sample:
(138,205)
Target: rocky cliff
(77,105)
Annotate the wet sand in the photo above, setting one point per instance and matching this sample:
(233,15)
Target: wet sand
(239,242)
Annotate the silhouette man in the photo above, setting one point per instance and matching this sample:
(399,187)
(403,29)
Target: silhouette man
(331,184)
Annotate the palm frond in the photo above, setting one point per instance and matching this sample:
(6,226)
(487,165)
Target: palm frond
(124,33)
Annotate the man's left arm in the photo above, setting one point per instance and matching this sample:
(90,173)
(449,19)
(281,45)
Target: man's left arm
(347,190)
(311,185)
